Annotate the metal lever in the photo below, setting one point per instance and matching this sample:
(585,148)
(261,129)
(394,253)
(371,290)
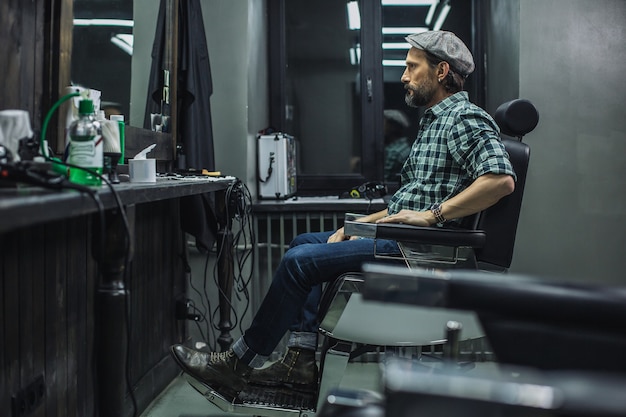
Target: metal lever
(451,349)
(166,86)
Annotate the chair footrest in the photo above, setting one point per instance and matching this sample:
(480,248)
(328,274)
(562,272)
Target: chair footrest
(260,401)
(278,397)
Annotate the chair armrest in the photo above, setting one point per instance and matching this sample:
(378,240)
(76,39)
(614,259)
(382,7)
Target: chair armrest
(520,297)
(431,235)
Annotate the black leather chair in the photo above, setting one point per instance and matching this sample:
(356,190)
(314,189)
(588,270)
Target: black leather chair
(512,392)
(528,321)
(489,235)
(560,341)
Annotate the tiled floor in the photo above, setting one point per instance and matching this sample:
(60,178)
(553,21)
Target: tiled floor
(180,400)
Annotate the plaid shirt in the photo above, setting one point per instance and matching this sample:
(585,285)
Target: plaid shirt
(457,142)
(396,154)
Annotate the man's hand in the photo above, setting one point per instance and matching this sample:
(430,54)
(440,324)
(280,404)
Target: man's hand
(339,236)
(415,218)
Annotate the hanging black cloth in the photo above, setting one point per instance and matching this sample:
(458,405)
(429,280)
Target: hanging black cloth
(195,87)
(156,80)
(193,122)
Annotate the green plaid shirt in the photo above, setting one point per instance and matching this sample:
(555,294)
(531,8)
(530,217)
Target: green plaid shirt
(396,154)
(457,142)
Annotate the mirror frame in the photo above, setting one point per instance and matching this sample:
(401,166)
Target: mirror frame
(136,138)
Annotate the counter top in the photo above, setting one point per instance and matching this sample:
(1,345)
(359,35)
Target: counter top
(27,205)
(322,204)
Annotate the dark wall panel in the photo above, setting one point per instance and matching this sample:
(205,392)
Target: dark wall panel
(49,280)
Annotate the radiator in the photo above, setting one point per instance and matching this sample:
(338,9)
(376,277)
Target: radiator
(275,231)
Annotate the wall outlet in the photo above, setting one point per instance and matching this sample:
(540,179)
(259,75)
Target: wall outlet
(28,399)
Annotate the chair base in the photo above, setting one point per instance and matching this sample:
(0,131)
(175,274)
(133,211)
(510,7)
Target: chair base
(260,401)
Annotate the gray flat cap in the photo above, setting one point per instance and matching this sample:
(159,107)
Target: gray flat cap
(397,116)
(445,46)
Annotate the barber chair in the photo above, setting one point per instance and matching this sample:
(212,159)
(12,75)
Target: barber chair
(485,241)
(559,346)
(511,392)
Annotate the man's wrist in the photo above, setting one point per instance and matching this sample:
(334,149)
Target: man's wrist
(436,211)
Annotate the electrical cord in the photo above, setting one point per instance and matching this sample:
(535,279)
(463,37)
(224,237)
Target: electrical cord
(126,278)
(238,208)
(93,193)
(245,238)
(199,317)
(200,311)
(238,204)
(211,337)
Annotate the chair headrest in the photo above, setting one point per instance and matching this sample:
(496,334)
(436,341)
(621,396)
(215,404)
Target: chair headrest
(516,117)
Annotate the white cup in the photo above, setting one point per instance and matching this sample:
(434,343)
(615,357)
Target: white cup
(142,170)
(14,125)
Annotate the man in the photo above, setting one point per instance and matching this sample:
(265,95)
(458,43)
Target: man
(397,145)
(457,167)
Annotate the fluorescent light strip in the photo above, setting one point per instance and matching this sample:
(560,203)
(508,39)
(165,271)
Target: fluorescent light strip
(352,56)
(403,31)
(431,13)
(104,22)
(354,16)
(126,38)
(355,55)
(442,17)
(407,2)
(123,44)
(394,63)
(390,45)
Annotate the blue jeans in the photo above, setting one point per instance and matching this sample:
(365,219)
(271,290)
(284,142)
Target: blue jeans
(293,297)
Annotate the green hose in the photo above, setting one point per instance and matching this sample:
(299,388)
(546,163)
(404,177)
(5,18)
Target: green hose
(56,166)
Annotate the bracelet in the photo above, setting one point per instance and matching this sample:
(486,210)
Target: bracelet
(436,209)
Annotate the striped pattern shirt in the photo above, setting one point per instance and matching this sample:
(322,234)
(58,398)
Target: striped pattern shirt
(457,142)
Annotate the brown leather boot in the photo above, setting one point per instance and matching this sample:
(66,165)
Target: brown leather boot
(297,370)
(223,371)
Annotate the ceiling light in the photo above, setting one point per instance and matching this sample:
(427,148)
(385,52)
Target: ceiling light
(407,2)
(103,22)
(396,45)
(394,63)
(431,12)
(442,17)
(403,31)
(124,42)
(354,16)
(355,55)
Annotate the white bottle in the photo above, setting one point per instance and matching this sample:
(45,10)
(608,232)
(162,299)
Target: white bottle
(85,149)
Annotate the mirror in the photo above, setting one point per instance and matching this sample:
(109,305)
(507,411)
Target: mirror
(111,51)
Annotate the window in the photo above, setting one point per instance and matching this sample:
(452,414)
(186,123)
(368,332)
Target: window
(335,65)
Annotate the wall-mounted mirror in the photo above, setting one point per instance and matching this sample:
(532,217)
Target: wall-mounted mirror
(112,48)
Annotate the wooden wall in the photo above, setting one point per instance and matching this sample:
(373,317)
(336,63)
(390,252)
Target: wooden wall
(31,45)
(48,279)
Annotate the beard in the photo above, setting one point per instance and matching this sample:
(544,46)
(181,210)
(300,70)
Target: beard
(423,93)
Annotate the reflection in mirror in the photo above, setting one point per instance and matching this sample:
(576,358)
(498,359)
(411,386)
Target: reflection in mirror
(111,52)
(323,97)
(331,54)
(401,18)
